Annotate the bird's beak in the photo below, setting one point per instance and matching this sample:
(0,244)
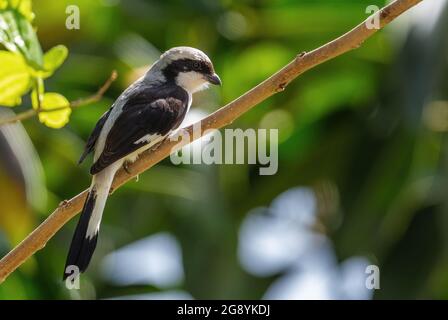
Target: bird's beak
(213,79)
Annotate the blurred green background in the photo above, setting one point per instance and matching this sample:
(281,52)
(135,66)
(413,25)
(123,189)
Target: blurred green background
(363,158)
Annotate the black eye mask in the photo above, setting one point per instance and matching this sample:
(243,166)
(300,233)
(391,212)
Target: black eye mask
(185,65)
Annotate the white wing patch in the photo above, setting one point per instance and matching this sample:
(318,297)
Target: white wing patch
(147,138)
(150,139)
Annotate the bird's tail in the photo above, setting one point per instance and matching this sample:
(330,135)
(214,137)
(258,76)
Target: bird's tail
(84,240)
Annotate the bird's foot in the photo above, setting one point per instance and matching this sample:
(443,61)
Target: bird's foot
(126,167)
(157,145)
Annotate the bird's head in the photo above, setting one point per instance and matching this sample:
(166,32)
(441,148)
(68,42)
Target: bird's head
(189,68)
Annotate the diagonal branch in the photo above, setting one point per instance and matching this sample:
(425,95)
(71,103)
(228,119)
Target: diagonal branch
(74,104)
(222,117)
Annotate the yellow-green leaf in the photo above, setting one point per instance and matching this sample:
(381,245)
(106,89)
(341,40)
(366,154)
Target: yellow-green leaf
(14,78)
(53,59)
(23,6)
(26,10)
(54,119)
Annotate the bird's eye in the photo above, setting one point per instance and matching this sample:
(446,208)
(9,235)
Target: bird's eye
(196,65)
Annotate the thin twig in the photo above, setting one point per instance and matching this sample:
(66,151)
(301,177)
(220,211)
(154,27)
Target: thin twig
(97,96)
(224,116)
(74,104)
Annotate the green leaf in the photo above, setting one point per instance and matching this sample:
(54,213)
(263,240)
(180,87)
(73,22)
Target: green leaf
(34,51)
(17,35)
(54,119)
(14,78)
(53,59)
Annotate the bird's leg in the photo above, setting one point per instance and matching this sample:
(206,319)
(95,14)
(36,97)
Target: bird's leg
(126,168)
(155,146)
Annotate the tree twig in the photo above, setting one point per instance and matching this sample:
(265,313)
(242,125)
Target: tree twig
(222,117)
(74,104)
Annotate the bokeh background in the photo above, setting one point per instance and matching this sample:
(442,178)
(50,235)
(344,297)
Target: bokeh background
(363,158)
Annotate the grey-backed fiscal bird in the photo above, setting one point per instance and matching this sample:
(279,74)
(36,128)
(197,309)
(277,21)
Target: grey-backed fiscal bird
(143,115)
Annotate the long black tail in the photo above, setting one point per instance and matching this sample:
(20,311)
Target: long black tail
(86,233)
(83,245)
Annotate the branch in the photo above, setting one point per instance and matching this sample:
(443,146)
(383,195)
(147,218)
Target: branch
(222,117)
(74,104)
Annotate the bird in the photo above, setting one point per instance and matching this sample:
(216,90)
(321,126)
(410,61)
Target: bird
(141,117)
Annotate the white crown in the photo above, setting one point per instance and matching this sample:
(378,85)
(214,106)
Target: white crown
(177,53)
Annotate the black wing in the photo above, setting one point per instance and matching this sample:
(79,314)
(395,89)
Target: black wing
(138,119)
(90,145)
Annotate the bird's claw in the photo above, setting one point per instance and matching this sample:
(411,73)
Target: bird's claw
(126,167)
